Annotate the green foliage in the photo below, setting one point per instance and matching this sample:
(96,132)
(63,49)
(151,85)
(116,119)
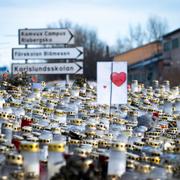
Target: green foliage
(20,79)
(80,82)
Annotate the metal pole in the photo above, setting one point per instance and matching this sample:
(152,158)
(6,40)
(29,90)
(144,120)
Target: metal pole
(111,90)
(26,60)
(11,70)
(67,75)
(67,61)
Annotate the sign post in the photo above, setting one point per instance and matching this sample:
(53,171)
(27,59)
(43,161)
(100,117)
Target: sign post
(47,53)
(26,60)
(67,75)
(46,36)
(48,68)
(41,37)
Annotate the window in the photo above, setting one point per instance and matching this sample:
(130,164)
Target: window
(150,76)
(167,46)
(175,43)
(130,77)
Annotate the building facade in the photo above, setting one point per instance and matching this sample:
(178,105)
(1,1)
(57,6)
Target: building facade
(159,60)
(143,62)
(171,57)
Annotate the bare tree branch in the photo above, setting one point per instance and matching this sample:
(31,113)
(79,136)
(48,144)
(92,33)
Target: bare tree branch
(156,28)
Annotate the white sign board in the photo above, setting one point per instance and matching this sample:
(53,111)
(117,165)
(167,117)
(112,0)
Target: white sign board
(112,83)
(49,68)
(47,53)
(46,36)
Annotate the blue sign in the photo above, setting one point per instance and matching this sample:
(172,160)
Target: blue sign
(3,69)
(37,86)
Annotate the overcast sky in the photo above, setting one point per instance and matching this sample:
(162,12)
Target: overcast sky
(110,18)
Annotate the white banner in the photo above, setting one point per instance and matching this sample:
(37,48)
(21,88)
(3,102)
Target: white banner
(46,36)
(112,83)
(49,68)
(47,53)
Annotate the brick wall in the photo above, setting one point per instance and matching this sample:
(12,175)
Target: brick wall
(140,53)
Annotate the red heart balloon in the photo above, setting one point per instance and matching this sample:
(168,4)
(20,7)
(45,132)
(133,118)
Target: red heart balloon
(118,78)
